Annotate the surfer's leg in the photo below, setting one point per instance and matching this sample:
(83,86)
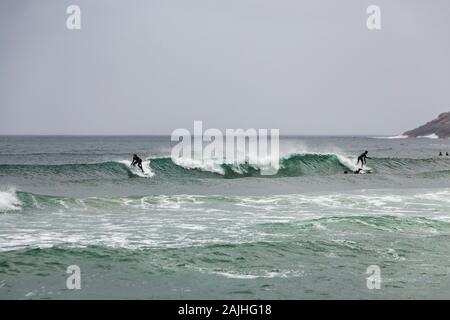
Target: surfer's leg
(360,160)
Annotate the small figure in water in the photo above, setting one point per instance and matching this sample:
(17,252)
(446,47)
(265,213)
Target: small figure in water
(446,154)
(137,161)
(363,158)
(440,154)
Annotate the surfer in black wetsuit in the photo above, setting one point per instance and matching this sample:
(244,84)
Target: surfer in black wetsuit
(137,161)
(363,158)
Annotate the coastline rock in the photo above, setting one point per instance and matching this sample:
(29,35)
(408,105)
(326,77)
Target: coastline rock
(437,128)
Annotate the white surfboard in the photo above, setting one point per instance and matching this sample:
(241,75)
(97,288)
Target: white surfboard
(148,173)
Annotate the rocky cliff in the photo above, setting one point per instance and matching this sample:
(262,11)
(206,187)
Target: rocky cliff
(439,127)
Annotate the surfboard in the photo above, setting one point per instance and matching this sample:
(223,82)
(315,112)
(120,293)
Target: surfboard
(137,171)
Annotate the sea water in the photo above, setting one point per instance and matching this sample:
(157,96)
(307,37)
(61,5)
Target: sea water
(186,230)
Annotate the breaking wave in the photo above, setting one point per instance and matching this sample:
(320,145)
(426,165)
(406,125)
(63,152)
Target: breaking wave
(294,165)
(9,201)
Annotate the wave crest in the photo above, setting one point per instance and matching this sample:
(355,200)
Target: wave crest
(290,166)
(9,201)
(293,165)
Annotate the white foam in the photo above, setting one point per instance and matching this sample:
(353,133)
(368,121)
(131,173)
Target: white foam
(401,136)
(9,201)
(430,136)
(187,220)
(349,163)
(265,274)
(148,173)
(211,165)
(264,164)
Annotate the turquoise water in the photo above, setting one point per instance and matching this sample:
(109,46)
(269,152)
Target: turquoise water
(188,231)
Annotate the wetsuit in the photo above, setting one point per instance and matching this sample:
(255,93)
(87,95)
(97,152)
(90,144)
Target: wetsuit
(137,161)
(363,158)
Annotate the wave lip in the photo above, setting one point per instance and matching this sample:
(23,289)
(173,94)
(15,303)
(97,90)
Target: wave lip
(314,164)
(9,201)
(212,165)
(290,166)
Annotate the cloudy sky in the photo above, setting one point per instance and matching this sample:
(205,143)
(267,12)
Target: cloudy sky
(151,66)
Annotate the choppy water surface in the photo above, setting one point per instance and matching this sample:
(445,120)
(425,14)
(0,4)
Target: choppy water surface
(215,230)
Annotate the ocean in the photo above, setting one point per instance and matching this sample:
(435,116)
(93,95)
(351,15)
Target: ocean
(218,231)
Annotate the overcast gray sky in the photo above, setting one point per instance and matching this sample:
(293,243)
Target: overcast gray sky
(151,66)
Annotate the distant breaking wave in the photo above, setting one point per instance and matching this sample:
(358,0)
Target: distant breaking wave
(393,137)
(430,136)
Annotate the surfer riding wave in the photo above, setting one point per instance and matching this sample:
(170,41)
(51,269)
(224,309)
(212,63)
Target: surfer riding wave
(137,161)
(363,158)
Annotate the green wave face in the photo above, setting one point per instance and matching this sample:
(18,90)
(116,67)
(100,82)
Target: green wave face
(71,171)
(291,166)
(295,165)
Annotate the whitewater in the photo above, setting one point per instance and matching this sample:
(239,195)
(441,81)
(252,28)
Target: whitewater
(190,229)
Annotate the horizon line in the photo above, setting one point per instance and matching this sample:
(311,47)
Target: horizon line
(168,135)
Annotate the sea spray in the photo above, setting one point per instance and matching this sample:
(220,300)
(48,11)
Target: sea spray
(9,201)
